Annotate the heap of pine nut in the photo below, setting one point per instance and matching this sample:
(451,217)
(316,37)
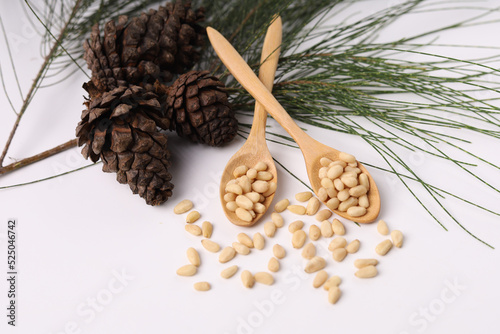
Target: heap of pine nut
(343,186)
(339,247)
(248,190)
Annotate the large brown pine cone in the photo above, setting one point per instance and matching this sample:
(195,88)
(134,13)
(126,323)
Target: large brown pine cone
(198,108)
(155,45)
(120,127)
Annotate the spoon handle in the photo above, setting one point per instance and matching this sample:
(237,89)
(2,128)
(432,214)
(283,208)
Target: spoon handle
(269,63)
(245,76)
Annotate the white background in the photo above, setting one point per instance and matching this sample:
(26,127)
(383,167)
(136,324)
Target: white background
(77,233)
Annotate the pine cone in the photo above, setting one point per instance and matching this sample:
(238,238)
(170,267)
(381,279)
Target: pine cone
(120,128)
(155,45)
(198,108)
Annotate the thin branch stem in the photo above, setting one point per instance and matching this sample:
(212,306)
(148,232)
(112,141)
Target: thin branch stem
(28,161)
(37,80)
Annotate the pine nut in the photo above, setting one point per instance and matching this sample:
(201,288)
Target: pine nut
(352,169)
(253,196)
(326,229)
(272,189)
(397,238)
(262,198)
(309,251)
(202,286)
(360,263)
(323,172)
(234,188)
(320,279)
(259,208)
(193,256)
(339,254)
(323,215)
(347,157)
(244,239)
(338,242)
(240,248)
(358,191)
(356,211)
(364,180)
(338,162)
(384,247)
(279,251)
(229,197)
(277,219)
(227,254)
(260,166)
(339,185)
(298,238)
(303,196)
(210,246)
(353,246)
(187,270)
(334,294)
(334,172)
(313,205)
(252,174)
(297,209)
(247,279)
(349,181)
(264,176)
(315,264)
(314,232)
(281,205)
(192,217)
(325,161)
(259,241)
(351,201)
(229,272)
(183,207)
(264,278)
(193,229)
(243,214)
(231,206)
(295,226)
(338,227)
(366,272)
(322,194)
(273,265)
(382,227)
(349,174)
(326,183)
(353,164)
(363,201)
(331,192)
(342,195)
(260,186)
(269,229)
(239,171)
(333,203)
(332,282)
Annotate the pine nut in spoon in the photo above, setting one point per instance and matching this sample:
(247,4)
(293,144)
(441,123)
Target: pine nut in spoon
(312,150)
(255,149)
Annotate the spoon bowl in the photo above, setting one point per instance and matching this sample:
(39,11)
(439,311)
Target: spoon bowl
(255,148)
(312,150)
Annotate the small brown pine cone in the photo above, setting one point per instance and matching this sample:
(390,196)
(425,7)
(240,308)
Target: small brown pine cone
(120,127)
(155,45)
(198,108)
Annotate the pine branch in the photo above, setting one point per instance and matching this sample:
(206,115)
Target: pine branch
(39,77)
(38,157)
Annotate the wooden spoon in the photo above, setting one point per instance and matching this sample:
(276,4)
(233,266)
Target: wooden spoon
(312,150)
(255,148)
